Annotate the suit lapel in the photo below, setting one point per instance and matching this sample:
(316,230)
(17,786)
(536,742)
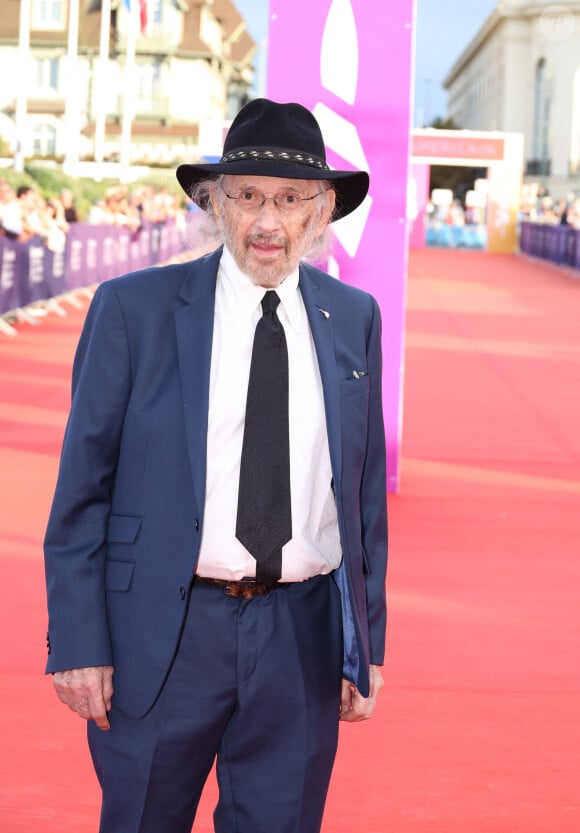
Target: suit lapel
(194,327)
(320,318)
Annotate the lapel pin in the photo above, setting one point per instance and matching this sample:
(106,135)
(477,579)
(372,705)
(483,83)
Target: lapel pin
(324,312)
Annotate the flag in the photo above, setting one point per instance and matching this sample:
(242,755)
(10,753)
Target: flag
(143,16)
(142,13)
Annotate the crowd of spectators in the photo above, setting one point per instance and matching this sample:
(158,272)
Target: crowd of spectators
(122,207)
(24,213)
(455,214)
(537,206)
(546,210)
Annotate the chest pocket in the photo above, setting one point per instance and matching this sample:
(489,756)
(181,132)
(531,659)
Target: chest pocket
(354,410)
(356,387)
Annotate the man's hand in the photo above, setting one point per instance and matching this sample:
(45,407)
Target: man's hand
(87,691)
(355,707)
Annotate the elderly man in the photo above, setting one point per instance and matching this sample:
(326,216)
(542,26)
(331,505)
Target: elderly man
(218,535)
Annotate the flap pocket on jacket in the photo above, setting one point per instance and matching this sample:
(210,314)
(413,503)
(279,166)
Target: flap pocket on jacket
(123,529)
(118,575)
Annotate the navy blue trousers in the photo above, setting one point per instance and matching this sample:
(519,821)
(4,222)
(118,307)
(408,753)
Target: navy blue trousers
(255,684)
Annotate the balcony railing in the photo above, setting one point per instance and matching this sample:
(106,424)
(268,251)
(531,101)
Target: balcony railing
(158,42)
(151,107)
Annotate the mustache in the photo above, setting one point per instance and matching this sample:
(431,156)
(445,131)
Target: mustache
(265,240)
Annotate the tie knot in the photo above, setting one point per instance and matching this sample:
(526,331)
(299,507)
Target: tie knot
(270,301)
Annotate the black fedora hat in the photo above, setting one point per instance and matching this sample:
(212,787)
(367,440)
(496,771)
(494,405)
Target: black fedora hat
(283,140)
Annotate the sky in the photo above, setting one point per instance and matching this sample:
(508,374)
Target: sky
(443,30)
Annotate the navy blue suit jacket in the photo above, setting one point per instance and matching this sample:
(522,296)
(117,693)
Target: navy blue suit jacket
(127,517)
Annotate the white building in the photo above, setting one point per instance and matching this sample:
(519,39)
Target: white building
(521,73)
(193,68)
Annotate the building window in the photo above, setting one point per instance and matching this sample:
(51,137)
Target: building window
(44,140)
(542,108)
(149,99)
(148,79)
(46,73)
(48,14)
(155,11)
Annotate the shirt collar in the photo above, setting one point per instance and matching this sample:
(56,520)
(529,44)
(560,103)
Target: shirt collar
(246,297)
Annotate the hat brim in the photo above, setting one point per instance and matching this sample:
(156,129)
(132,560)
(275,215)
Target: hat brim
(351,186)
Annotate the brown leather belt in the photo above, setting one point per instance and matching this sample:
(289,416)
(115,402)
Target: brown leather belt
(245,589)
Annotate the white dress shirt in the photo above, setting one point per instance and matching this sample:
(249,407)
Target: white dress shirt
(315,547)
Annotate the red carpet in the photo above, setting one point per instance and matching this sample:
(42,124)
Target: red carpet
(478,728)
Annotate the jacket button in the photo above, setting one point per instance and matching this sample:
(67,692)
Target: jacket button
(197,524)
(182,593)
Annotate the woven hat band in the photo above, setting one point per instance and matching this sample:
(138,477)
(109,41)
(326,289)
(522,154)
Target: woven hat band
(293,157)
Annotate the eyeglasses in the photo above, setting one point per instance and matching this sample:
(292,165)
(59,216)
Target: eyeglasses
(286,200)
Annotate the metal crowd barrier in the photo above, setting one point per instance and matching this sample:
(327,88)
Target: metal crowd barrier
(30,272)
(558,244)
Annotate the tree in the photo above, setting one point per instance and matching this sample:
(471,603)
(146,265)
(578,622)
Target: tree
(446,123)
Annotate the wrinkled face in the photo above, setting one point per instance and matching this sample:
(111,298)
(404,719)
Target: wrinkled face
(268,240)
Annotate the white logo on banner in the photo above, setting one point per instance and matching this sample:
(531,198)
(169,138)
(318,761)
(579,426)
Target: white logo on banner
(76,256)
(339,52)
(109,251)
(123,250)
(339,75)
(91,253)
(58,265)
(36,265)
(8,269)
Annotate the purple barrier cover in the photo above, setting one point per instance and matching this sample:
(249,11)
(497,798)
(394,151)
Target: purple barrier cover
(571,245)
(9,274)
(558,244)
(31,272)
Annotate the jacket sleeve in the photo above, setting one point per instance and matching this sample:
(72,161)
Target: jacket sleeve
(374,499)
(75,539)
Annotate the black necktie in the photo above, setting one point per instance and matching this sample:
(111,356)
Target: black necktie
(264,521)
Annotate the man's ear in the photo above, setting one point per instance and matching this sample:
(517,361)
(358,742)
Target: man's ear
(327,210)
(216,205)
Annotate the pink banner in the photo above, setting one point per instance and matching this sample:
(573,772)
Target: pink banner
(418,197)
(437,146)
(349,61)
